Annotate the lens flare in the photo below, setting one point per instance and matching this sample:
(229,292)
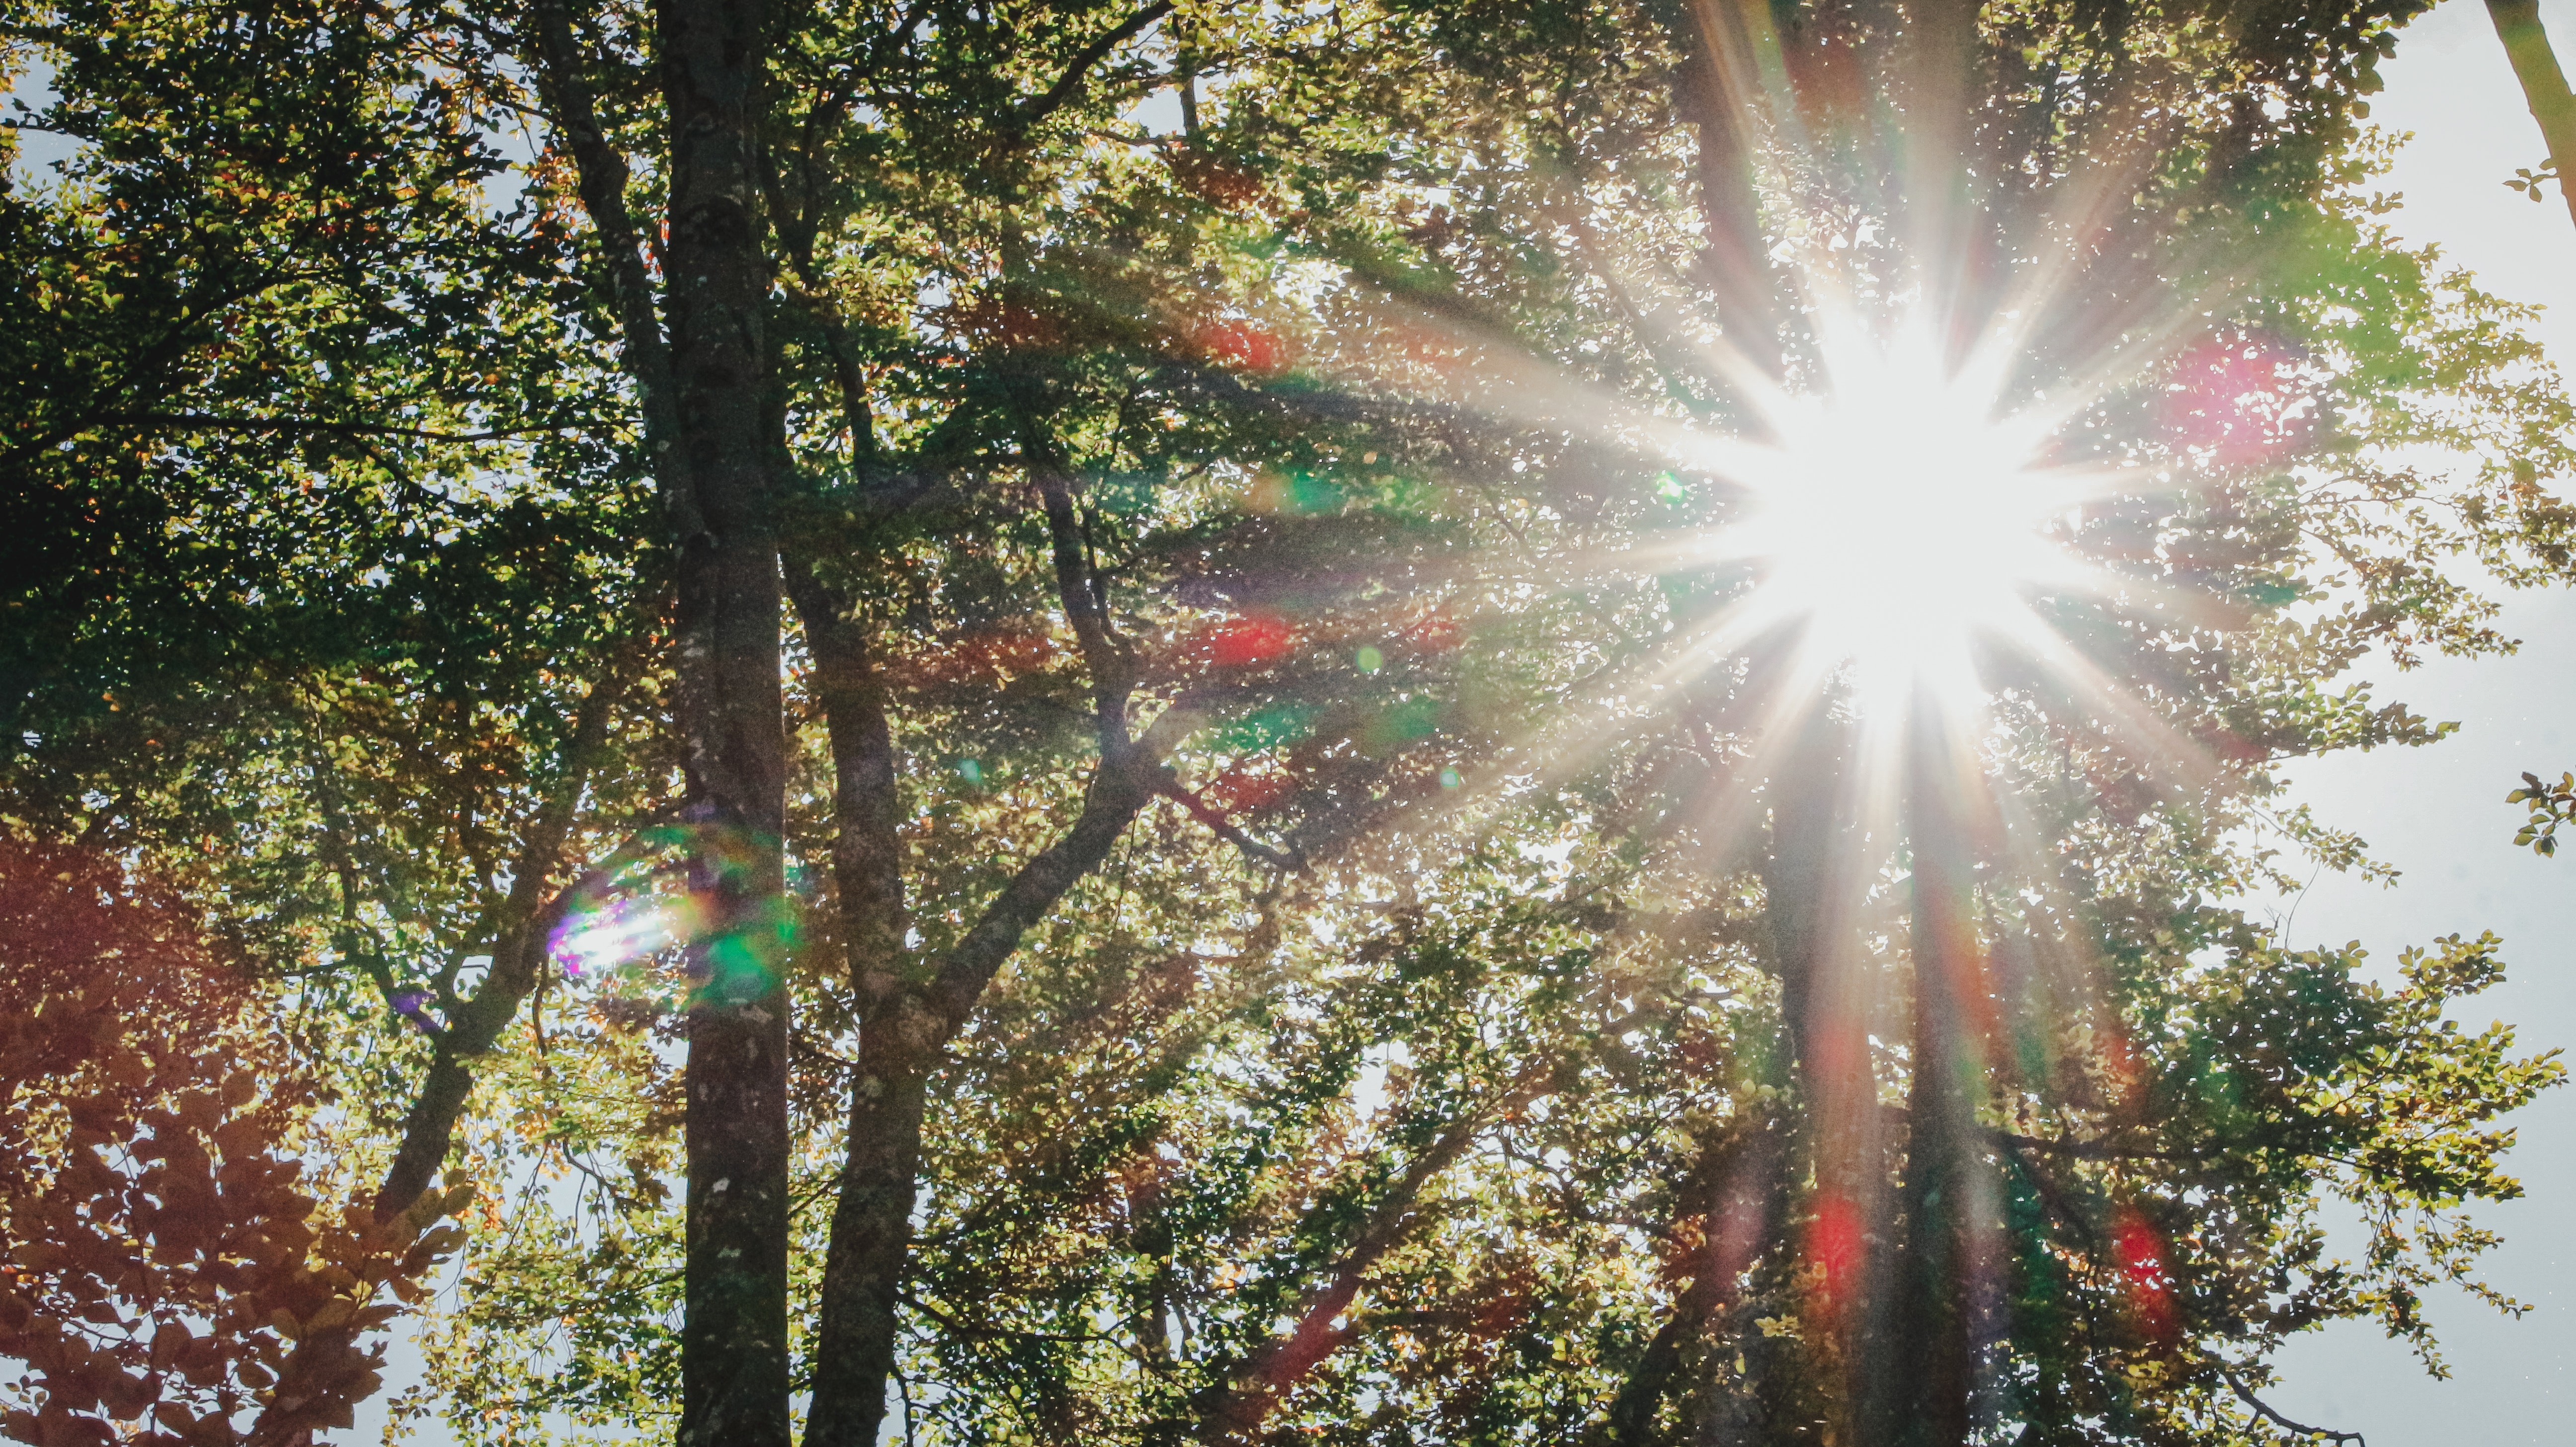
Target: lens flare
(2141,1253)
(619,930)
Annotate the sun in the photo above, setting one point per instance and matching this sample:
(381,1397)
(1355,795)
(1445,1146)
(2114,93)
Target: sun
(1894,520)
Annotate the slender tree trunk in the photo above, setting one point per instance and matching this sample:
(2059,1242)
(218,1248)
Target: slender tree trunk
(1732,1192)
(328,1359)
(899,1049)
(871,1235)
(733,1335)
(2544,86)
(1932,1327)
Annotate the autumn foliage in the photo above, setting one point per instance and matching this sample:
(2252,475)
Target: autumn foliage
(162,1256)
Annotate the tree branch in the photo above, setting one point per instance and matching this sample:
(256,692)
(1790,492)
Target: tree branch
(1285,861)
(525,919)
(601,174)
(2544,85)
(204,422)
(1077,590)
(1069,84)
(1235,1406)
(867,852)
(2277,1420)
(1732,1176)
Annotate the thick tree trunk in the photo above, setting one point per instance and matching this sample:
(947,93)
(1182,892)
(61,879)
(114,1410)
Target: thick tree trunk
(2544,86)
(1810,884)
(1715,93)
(1932,1333)
(733,1335)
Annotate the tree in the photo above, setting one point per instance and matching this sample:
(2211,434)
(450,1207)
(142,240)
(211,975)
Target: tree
(152,1100)
(2544,87)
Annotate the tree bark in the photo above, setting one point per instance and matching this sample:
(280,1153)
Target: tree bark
(2544,86)
(733,1334)
(1932,1334)
(1810,882)
(1714,94)
(1732,1192)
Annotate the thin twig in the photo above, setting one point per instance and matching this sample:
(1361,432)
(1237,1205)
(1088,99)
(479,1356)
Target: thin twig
(207,422)
(1287,861)
(2277,1420)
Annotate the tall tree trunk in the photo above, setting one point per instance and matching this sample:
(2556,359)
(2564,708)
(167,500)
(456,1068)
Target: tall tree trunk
(912,1011)
(733,1335)
(2544,86)
(1931,1335)
(1716,93)
(1810,883)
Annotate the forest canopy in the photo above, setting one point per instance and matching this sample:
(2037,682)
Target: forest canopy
(1412,721)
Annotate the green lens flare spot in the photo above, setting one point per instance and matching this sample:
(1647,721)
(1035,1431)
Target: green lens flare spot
(1415,718)
(1449,779)
(1284,723)
(1370,660)
(972,772)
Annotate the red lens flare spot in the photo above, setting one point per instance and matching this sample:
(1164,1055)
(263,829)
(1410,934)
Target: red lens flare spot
(1834,1245)
(1241,345)
(1245,642)
(2143,1273)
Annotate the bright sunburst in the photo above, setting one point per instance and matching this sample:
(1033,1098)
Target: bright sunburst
(1896,519)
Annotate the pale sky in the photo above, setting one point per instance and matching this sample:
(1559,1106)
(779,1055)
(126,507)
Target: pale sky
(2439,813)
